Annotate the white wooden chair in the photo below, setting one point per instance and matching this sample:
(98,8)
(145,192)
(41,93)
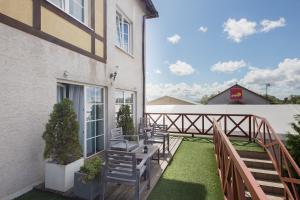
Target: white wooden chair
(122,168)
(122,142)
(158,135)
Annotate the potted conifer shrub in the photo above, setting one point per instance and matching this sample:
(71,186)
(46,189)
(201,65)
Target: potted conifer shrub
(62,148)
(87,182)
(124,120)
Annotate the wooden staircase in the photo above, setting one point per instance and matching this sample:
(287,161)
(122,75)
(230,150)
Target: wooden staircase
(264,173)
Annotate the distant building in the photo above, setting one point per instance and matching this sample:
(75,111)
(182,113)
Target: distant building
(237,94)
(167,100)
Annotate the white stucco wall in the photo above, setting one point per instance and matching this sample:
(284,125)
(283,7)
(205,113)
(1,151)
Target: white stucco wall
(29,72)
(129,66)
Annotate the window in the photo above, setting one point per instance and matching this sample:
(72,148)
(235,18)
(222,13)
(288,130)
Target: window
(75,8)
(60,92)
(123,33)
(125,98)
(94,117)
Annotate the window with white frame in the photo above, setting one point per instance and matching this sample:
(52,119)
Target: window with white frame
(125,98)
(94,119)
(60,92)
(75,8)
(123,33)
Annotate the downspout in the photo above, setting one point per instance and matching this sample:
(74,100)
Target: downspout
(144,63)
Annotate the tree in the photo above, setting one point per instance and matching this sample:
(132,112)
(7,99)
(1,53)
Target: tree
(61,134)
(293,140)
(124,120)
(205,98)
(274,100)
(294,99)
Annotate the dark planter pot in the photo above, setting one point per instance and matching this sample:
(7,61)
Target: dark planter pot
(88,190)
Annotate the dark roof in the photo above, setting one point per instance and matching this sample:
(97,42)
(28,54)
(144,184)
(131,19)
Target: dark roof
(237,85)
(151,9)
(167,100)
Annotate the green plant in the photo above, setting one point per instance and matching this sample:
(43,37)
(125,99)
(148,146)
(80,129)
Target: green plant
(293,140)
(91,168)
(124,120)
(61,134)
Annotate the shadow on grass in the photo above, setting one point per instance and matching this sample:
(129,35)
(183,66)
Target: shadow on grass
(178,190)
(198,139)
(238,144)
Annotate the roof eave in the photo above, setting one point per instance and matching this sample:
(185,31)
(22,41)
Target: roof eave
(153,13)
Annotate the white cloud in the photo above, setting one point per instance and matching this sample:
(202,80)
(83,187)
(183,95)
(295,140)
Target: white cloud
(181,68)
(157,71)
(286,74)
(203,29)
(268,25)
(228,67)
(238,29)
(284,80)
(174,39)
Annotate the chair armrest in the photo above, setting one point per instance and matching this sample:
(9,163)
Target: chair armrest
(118,140)
(162,126)
(140,165)
(159,135)
(118,137)
(132,136)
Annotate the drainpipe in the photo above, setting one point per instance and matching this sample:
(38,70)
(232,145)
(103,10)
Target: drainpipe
(144,63)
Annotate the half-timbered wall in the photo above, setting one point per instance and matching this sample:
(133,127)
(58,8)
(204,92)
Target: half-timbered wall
(43,19)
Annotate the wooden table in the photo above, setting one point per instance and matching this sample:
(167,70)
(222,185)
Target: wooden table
(147,157)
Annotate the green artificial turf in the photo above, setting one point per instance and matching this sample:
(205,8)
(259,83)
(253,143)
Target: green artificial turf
(246,145)
(192,174)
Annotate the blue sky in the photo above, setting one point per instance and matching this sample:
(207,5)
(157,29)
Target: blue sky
(251,42)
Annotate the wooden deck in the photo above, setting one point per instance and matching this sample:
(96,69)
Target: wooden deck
(122,192)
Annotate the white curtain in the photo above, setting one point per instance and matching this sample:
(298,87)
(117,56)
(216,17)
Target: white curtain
(76,95)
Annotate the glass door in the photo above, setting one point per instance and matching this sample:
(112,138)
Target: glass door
(94,120)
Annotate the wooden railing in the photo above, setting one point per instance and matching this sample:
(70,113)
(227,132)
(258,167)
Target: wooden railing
(252,127)
(284,164)
(202,124)
(235,177)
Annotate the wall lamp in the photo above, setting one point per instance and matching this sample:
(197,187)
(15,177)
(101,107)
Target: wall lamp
(113,76)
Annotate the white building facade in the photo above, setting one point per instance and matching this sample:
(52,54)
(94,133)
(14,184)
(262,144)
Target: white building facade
(36,72)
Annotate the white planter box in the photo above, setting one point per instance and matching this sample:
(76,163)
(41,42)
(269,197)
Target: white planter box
(61,177)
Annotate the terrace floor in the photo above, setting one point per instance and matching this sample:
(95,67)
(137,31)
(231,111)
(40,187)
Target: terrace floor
(114,191)
(191,173)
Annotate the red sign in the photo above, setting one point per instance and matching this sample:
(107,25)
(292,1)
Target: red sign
(236,93)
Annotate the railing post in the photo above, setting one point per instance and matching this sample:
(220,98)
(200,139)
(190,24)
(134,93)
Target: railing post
(264,129)
(254,122)
(225,124)
(182,123)
(164,119)
(203,124)
(250,133)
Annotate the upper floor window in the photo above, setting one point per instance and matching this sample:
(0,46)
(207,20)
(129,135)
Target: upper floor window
(75,8)
(123,33)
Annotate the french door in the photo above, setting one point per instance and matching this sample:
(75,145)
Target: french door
(94,120)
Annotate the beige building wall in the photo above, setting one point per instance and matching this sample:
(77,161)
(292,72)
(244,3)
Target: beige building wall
(19,10)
